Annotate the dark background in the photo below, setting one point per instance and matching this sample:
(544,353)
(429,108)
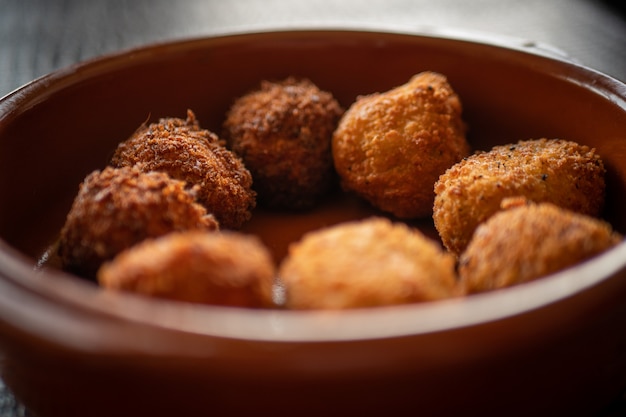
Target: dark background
(40,36)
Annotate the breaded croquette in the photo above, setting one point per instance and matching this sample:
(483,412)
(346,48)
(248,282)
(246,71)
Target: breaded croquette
(218,268)
(372,262)
(188,153)
(119,207)
(282,131)
(529,241)
(557,171)
(390,148)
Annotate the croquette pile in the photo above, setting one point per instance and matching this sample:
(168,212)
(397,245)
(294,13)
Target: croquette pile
(164,218)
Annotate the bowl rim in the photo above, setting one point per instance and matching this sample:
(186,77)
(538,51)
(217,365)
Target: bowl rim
(57,291)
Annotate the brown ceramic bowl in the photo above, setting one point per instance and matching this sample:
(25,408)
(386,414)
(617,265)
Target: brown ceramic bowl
(553,347)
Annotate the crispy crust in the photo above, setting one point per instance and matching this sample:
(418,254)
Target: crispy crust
(529,241)
(117,208)
(186,152)
(218,268)
(366,263)
(282,131)
(544,170)
(390,148)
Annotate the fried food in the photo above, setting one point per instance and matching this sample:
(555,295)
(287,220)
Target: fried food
(528,241)
(282,131)
(544,170)
(117,208)
(390,148)
(188,153)
(218,268)
(366,263)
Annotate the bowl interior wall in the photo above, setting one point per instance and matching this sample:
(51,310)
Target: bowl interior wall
(69,124)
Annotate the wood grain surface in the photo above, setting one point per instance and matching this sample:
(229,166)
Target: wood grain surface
(40,36)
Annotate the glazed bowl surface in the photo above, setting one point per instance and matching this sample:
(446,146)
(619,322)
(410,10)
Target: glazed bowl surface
(556,346)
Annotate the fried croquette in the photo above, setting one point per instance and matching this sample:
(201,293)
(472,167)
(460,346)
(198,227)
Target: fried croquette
(218,268)
(390,148)
(543,170)
(529,241)
(117,208)
(188,153)
(366,263)
(282,131)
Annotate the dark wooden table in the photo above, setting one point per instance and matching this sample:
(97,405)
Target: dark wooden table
(39,36)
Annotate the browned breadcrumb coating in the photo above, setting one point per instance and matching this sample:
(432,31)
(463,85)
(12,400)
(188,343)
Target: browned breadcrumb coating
(366,263)
(186,152)
(219,268)
(282,131)
(543,170)
(119,207)
(390,148)
(523,243)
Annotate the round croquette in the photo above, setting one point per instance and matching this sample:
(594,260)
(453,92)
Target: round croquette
(282,131)
(188,153)
(529,241)
(543,170)
(218,268)
(119,207)
(390,148)
(366,263)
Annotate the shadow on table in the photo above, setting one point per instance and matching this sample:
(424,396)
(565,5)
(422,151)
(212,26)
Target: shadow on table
(618,6)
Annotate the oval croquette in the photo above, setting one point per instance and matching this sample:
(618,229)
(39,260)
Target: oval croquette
(390,148)
(217,268)
(543,170)
(282,131)
(529,241)
(180,148)
(119,207)
(372,262)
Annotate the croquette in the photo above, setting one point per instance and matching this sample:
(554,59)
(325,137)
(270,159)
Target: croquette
(118,207)
(542,170)
(391,147)
(528,241)
(282,131)
(218,268)
(372,262)
(185,151)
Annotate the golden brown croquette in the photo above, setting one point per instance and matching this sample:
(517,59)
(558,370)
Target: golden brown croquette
(188,153)
(544,170)
(282,131)
(524,242)
(390,148)
(366,263)
(119,207)
(218,268)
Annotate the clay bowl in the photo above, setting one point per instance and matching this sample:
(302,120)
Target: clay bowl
(553,347)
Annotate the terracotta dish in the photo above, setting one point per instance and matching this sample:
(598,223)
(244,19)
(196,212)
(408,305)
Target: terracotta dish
(556,346)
